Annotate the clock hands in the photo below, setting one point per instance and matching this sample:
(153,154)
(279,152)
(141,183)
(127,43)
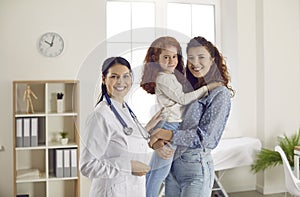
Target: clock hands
(50,43)
(52,40)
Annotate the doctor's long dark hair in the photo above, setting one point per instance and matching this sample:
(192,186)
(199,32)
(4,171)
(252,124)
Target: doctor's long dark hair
(108,63)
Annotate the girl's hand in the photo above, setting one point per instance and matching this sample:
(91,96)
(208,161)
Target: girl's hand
(154,120)
(139,168)
(213,85)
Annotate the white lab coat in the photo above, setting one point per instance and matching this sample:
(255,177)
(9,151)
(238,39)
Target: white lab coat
(107,152)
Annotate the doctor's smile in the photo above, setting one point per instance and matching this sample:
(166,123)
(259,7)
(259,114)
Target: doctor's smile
(118,82)
(118,88)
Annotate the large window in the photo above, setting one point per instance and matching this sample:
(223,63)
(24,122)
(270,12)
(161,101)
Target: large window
(133,25)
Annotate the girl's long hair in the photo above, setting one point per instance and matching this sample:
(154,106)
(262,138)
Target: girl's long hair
(152,67)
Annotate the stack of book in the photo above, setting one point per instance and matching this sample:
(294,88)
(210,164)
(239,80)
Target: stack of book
(26,132)
(64,162)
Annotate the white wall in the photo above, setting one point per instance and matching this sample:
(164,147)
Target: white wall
(261,45)
(266,40)
(81,23)
(239,48)
(279,101)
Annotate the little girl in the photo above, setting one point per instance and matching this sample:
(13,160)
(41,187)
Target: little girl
(163,75)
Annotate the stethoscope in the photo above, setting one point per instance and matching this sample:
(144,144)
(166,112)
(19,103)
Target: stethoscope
(126,129)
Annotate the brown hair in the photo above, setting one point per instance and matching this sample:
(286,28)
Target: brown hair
(107,64)
(218,71)
(152,67)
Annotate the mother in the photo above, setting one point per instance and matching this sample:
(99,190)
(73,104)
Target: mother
(192,171)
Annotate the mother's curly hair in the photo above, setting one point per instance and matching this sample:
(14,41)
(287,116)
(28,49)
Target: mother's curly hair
(218,71)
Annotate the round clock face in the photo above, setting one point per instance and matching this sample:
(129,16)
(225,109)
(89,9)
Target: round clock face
(51,44)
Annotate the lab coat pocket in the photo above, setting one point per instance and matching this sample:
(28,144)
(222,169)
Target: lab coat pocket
(119,187)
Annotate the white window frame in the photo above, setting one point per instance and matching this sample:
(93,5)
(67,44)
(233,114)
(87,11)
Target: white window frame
(160,25)
(161,16)
(217,6)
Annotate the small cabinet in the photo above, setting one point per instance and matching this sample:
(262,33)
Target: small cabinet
(43,165)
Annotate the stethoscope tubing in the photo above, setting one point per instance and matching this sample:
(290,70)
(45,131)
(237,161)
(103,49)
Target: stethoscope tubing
(126,129)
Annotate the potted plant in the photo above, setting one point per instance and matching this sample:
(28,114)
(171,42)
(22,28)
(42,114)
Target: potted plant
(64,140)
(59,102)
(267,158)
(60,95)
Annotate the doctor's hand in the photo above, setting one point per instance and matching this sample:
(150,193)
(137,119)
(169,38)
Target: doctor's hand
(154,120)
(166,151)
(138,168)
(160,134)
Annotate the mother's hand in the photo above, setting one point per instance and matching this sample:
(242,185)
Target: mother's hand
(159,144)
(166,151)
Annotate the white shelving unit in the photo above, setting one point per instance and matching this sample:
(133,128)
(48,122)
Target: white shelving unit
(50,123)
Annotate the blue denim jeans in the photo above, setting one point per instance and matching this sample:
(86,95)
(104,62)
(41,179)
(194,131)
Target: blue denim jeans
(159,167)
(191,175)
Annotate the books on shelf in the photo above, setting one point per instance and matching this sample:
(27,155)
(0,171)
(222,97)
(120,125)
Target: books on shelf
(27,132)
(23,195)
(65,163)
(34,132)
(19,132)
(58,163)
(73,162)
(67,171)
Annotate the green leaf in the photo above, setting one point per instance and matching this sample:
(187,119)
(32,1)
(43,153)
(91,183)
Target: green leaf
(267,158)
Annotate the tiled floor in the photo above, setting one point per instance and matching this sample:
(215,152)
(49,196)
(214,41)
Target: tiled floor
(249,194)
(256,194)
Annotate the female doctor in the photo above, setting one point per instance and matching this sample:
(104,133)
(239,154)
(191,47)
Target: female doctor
(115,151)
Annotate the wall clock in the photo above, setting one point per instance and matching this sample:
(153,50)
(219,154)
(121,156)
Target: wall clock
(51,44)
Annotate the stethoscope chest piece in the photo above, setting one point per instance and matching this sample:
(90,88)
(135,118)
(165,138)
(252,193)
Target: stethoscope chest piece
(127,130)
